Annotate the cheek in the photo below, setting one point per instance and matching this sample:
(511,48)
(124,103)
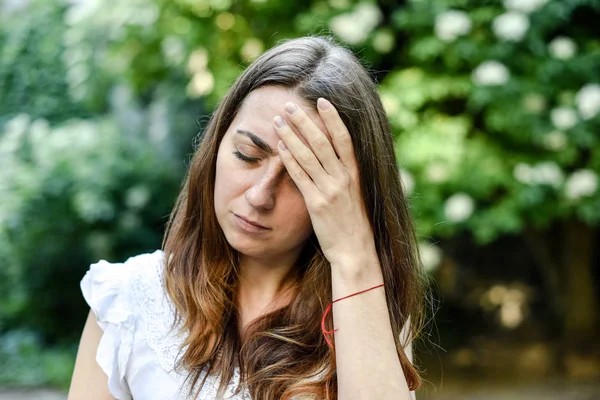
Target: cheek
(219,178)
(295,212)
(224,182)
(231,181)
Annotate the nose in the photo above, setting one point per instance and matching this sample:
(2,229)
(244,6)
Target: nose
(263,192)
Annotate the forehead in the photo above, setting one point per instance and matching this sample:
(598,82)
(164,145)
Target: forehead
(262,105)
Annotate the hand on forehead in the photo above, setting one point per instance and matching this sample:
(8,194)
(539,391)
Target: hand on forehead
(314,117)
(263,104)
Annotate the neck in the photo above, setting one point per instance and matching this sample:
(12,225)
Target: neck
(264,286)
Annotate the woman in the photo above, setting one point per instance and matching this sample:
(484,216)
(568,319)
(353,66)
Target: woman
(293,199)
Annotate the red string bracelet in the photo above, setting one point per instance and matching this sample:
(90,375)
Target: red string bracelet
(326,332)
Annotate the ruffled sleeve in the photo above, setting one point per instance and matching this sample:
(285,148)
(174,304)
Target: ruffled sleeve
(105,289)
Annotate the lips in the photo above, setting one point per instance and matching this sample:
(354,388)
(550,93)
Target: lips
(251,222)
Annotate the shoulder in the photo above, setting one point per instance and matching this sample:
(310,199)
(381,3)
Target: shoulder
(131,298)
(108,288)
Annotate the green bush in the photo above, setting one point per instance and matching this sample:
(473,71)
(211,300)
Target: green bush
(496,114)
(28,362)
(32,77)
(73,194)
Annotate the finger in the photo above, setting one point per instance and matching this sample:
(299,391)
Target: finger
(299,176)
(301,153)
(316,139)
(342,141)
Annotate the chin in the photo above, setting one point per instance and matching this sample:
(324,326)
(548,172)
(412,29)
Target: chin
(246,246)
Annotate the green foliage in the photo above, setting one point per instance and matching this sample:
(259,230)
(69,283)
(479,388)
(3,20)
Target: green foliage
(31,364)
(30,77)
(503,117)
(72,194)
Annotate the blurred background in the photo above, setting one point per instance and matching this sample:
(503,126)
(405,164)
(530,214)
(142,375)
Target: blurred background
(495,107)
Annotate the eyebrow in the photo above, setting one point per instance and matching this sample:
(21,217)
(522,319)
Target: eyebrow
(261,144)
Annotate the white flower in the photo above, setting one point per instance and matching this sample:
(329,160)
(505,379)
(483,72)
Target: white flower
(355,26)
(390,103)
(548,173)
(73,36)
(12,137)
(76,54)
(562,48)
(534,103)
(408,183)
(563,118)
(78,74)
(252,48)
(437,172)
(173,50)
(86,135)
(92,207)
(555,140)
(511,26)
(81,11)
(137,197)
(9,7)
(526,6)
(158,123)
(201,84)
(544,173)
(452,24)
(431,256)
(459,207)
(39,131)
(198,60)
(383,42)
(580,184)
(344,27)
(369,14)
(18,125)
(144,16)
(588,100)
(523,173)
(490,73)
(78,92)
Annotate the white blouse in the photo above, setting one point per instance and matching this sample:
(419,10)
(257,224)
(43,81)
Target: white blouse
(138,350)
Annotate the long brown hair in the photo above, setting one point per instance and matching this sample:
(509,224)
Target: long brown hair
(283,354)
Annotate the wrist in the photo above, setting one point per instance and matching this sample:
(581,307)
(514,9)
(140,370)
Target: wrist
(355,272)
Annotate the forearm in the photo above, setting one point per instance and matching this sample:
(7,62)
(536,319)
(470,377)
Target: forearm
(368,366)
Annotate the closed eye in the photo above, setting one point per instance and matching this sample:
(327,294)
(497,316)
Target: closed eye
(245,158)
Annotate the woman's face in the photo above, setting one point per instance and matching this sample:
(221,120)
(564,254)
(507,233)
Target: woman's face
(252,186)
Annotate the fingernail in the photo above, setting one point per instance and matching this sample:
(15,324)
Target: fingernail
(323,104)
(279,122)
(290,108)
(282,146)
